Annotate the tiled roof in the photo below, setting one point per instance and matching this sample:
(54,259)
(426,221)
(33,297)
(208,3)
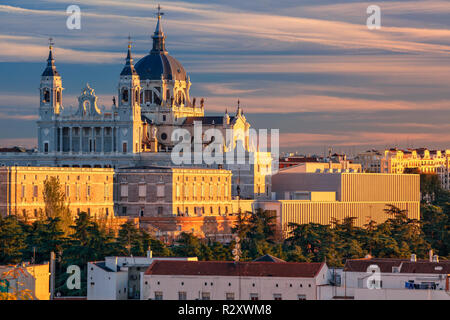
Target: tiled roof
(426,267)
(268,258)
(227,268)
(361,265)
(405,265)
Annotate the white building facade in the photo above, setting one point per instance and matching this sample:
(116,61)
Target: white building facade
(118,278)
(224,280)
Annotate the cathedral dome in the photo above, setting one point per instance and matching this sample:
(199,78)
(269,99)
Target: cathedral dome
(159,63)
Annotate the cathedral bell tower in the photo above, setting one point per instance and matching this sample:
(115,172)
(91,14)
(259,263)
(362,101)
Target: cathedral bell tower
(50,106)
(129,110)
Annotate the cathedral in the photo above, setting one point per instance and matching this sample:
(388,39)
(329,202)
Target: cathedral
(140,129)
(153,100)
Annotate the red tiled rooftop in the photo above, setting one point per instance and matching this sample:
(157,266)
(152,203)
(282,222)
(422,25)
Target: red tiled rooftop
(227,268)
(406,265)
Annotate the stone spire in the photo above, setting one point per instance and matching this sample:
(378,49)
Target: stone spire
(128,69)
(159,37)
(50,70)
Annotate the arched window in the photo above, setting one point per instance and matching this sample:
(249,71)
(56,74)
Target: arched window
(46,95)
(137,96)
(125,95)
(58,96)
(148,96)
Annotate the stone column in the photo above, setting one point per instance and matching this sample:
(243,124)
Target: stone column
(60,139)
(81,140)
(92,139)
(70,140)
(103,140)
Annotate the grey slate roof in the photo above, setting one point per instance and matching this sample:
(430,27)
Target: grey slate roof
(155,65)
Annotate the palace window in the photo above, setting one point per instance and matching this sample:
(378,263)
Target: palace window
(124,190)
(137,96)
(160,191)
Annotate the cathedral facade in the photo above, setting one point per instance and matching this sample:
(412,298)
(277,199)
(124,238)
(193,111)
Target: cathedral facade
(140,128)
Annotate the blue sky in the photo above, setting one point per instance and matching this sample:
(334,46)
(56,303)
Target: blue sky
(310,68)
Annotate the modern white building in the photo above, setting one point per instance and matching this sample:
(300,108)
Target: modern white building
(225,280)
(393,279)
(118,278)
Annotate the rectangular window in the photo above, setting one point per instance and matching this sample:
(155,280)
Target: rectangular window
(182,296)
(229,296)
(142,190)
(124,147)
(158,295)
(124,190)
(178,191)
(254,296)
(78,192)
(206,296)
(67,191)
(277,296)
(23,192)
(88,191)
(106,191)
(35,191)
(160,191)
(301,297)
(160,210)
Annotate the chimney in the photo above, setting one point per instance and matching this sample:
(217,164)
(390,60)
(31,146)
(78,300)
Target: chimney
(413,258)
(149,254)
(430,255)
(435,258)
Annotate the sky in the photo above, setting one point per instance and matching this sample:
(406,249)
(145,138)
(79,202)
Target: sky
(310,68)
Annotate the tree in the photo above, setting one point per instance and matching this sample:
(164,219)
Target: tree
(11,240)
(87,242)
(18,291)
(436,227)
(55,203)
(188,245)
(406,232)
(130,240)
(43,237)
